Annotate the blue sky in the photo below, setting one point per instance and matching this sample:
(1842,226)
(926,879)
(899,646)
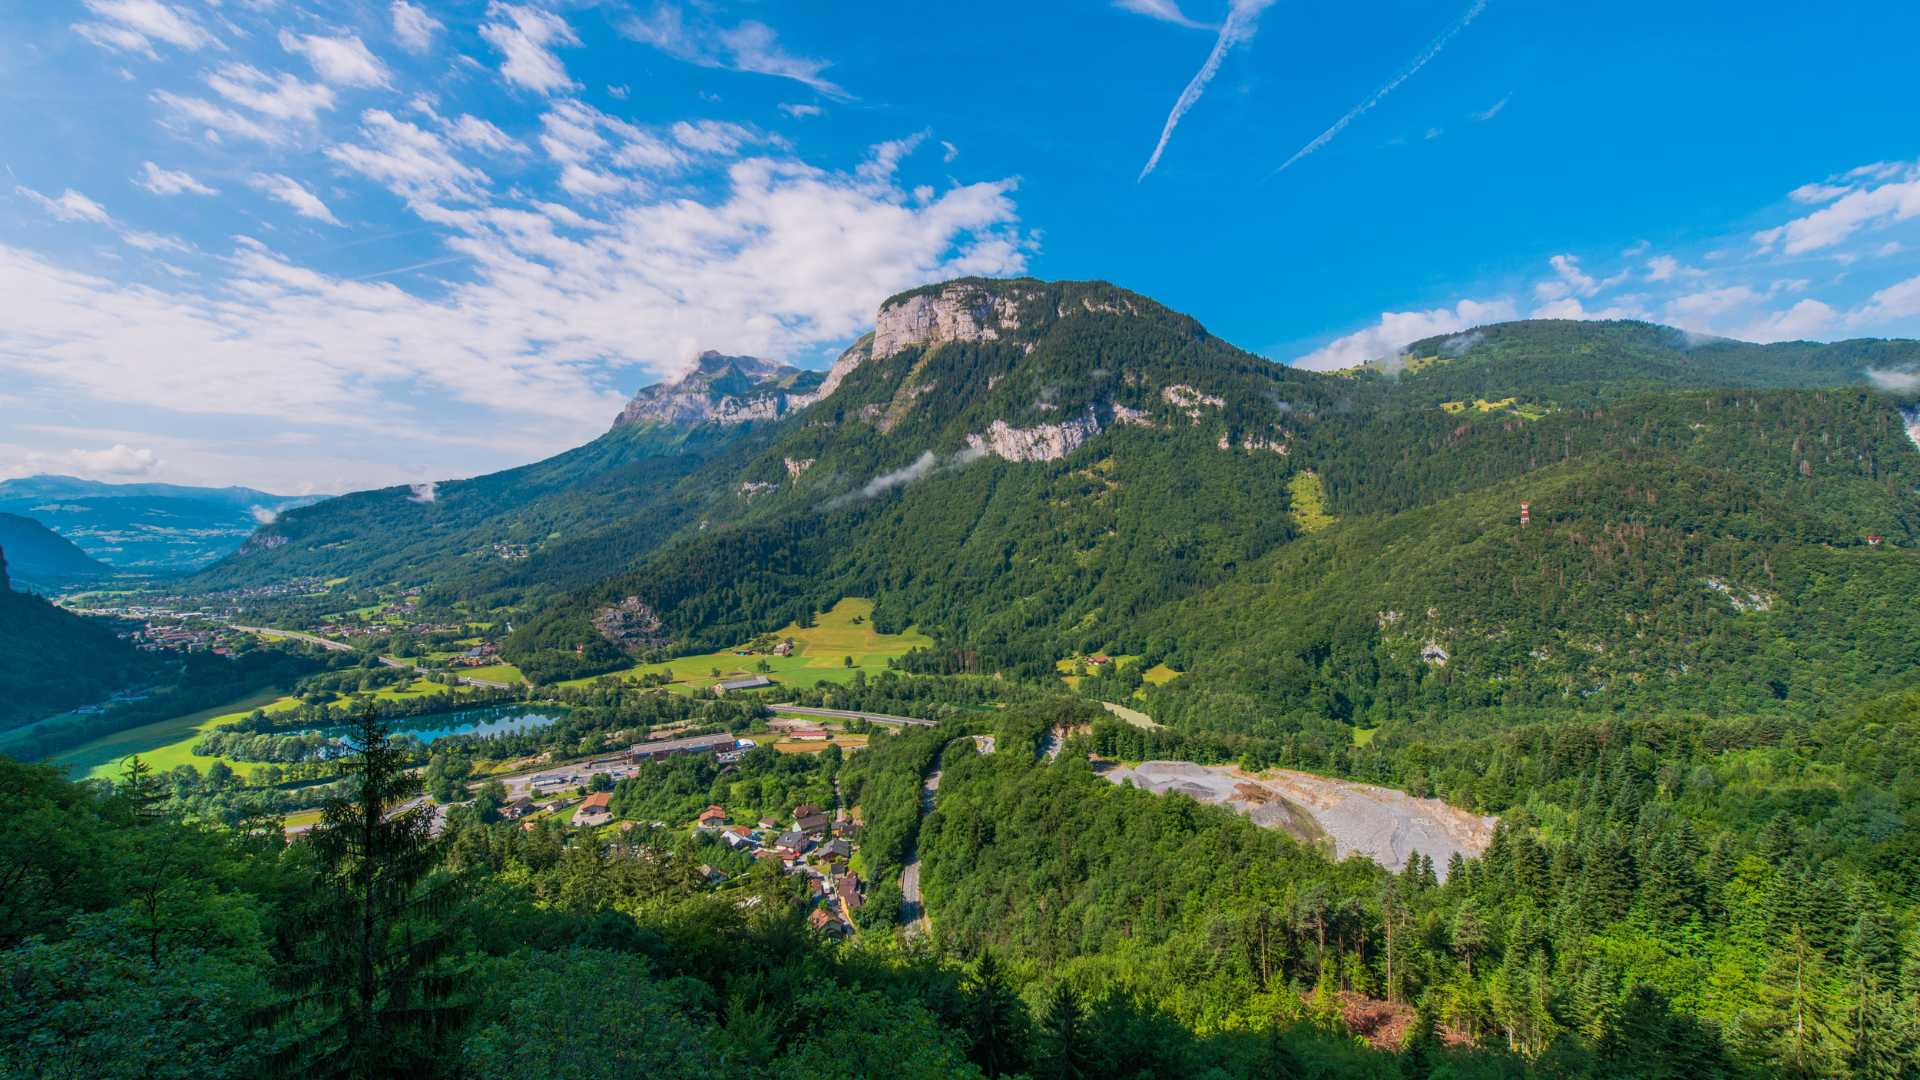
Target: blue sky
(318,246)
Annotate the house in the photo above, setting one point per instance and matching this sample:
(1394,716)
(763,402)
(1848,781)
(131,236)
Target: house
(812,824)
(769,824)
(805,809)
(824,921)
(847,891)
(666,748)
(518,808)
(714,877)
(835,849)
(755,682)
(594,811)
(785,648)
(738,837)
(793,843)
(713,817)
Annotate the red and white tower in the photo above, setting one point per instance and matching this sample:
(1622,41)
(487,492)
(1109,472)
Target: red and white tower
(1523,514)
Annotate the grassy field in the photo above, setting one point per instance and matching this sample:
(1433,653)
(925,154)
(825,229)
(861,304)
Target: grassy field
(1159,675)
(1308,497)
(1364,735)
(165,744)
(846,743)
(505,673)
(819,652)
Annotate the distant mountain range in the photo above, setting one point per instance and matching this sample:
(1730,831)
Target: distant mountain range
(145,528)
(1031,471)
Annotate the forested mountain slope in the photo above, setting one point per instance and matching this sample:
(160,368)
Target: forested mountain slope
(41,556)
(1033,470)
(145,528)
(57,660)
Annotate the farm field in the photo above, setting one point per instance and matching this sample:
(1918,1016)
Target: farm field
(819,652)
(166,744)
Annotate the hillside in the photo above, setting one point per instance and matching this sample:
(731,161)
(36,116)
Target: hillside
(563,522)
(1032,470)
(56,660)
(145,528)
(41,557)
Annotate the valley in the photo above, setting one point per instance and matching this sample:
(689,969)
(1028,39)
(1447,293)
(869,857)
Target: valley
(1559,670)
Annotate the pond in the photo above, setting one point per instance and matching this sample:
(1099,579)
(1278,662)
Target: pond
(485,723)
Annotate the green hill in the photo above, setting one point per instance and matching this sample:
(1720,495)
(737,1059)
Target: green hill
(55,660)
(144,528)
(43,557)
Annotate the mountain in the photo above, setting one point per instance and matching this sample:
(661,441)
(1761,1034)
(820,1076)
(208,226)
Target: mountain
(572,519)
(43,557)
(1029,471)
(724,390)
(55,659)
(147,528)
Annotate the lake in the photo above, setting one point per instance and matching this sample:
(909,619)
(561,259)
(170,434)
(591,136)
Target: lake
(486,723)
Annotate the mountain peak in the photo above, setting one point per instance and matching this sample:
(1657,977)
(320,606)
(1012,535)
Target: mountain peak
(721,389)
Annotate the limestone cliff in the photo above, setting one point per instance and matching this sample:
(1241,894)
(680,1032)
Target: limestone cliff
(724,390)
(960,311)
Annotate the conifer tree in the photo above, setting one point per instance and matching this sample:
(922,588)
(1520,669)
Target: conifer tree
(377,994)
(1065,1050)
(996,1020)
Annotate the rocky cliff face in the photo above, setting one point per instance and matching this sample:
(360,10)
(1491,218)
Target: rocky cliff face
(1043,442)
(724,390)
(961,311)
(1912,417)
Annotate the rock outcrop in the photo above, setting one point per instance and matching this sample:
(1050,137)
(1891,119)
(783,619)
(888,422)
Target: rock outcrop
(1043,442)
(958,312)
(724,390)
(1912,418)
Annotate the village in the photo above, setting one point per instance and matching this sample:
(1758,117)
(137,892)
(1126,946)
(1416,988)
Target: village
(814,843)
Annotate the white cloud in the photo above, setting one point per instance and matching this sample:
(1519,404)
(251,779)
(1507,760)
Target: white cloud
(342,61)
(483,135)
(948,152)
(1858,208)
(1432,50)
(1804,320)
(134,25)
(425,491)
(170,181)
(70,206)
(800,112)
(623,91)
(410,161)
(545,328)
(1571,308)
(1398,329)
(1570,280)
(1243,21)
(119,460)
(1898,301)
(750,47)
(1668,268)
(262,515)
(1900,382)
(283,188)
(413,28)
(1695,311)
(526,37)
(1164,10)
(280,97)
(149,241)
(1493,110)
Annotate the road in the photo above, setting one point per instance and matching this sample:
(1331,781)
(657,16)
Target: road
(843,714)
(389,661)
(913,912)
(311,639)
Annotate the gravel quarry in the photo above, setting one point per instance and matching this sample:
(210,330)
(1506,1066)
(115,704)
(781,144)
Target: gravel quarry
(1386,825)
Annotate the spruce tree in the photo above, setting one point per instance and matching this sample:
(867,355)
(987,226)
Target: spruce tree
(1065,1050)
(996,1020)
(376,993)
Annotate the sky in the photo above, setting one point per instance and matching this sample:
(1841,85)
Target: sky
(314,247)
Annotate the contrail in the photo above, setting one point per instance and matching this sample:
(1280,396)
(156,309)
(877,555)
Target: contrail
(1242,19)
(1419,62)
